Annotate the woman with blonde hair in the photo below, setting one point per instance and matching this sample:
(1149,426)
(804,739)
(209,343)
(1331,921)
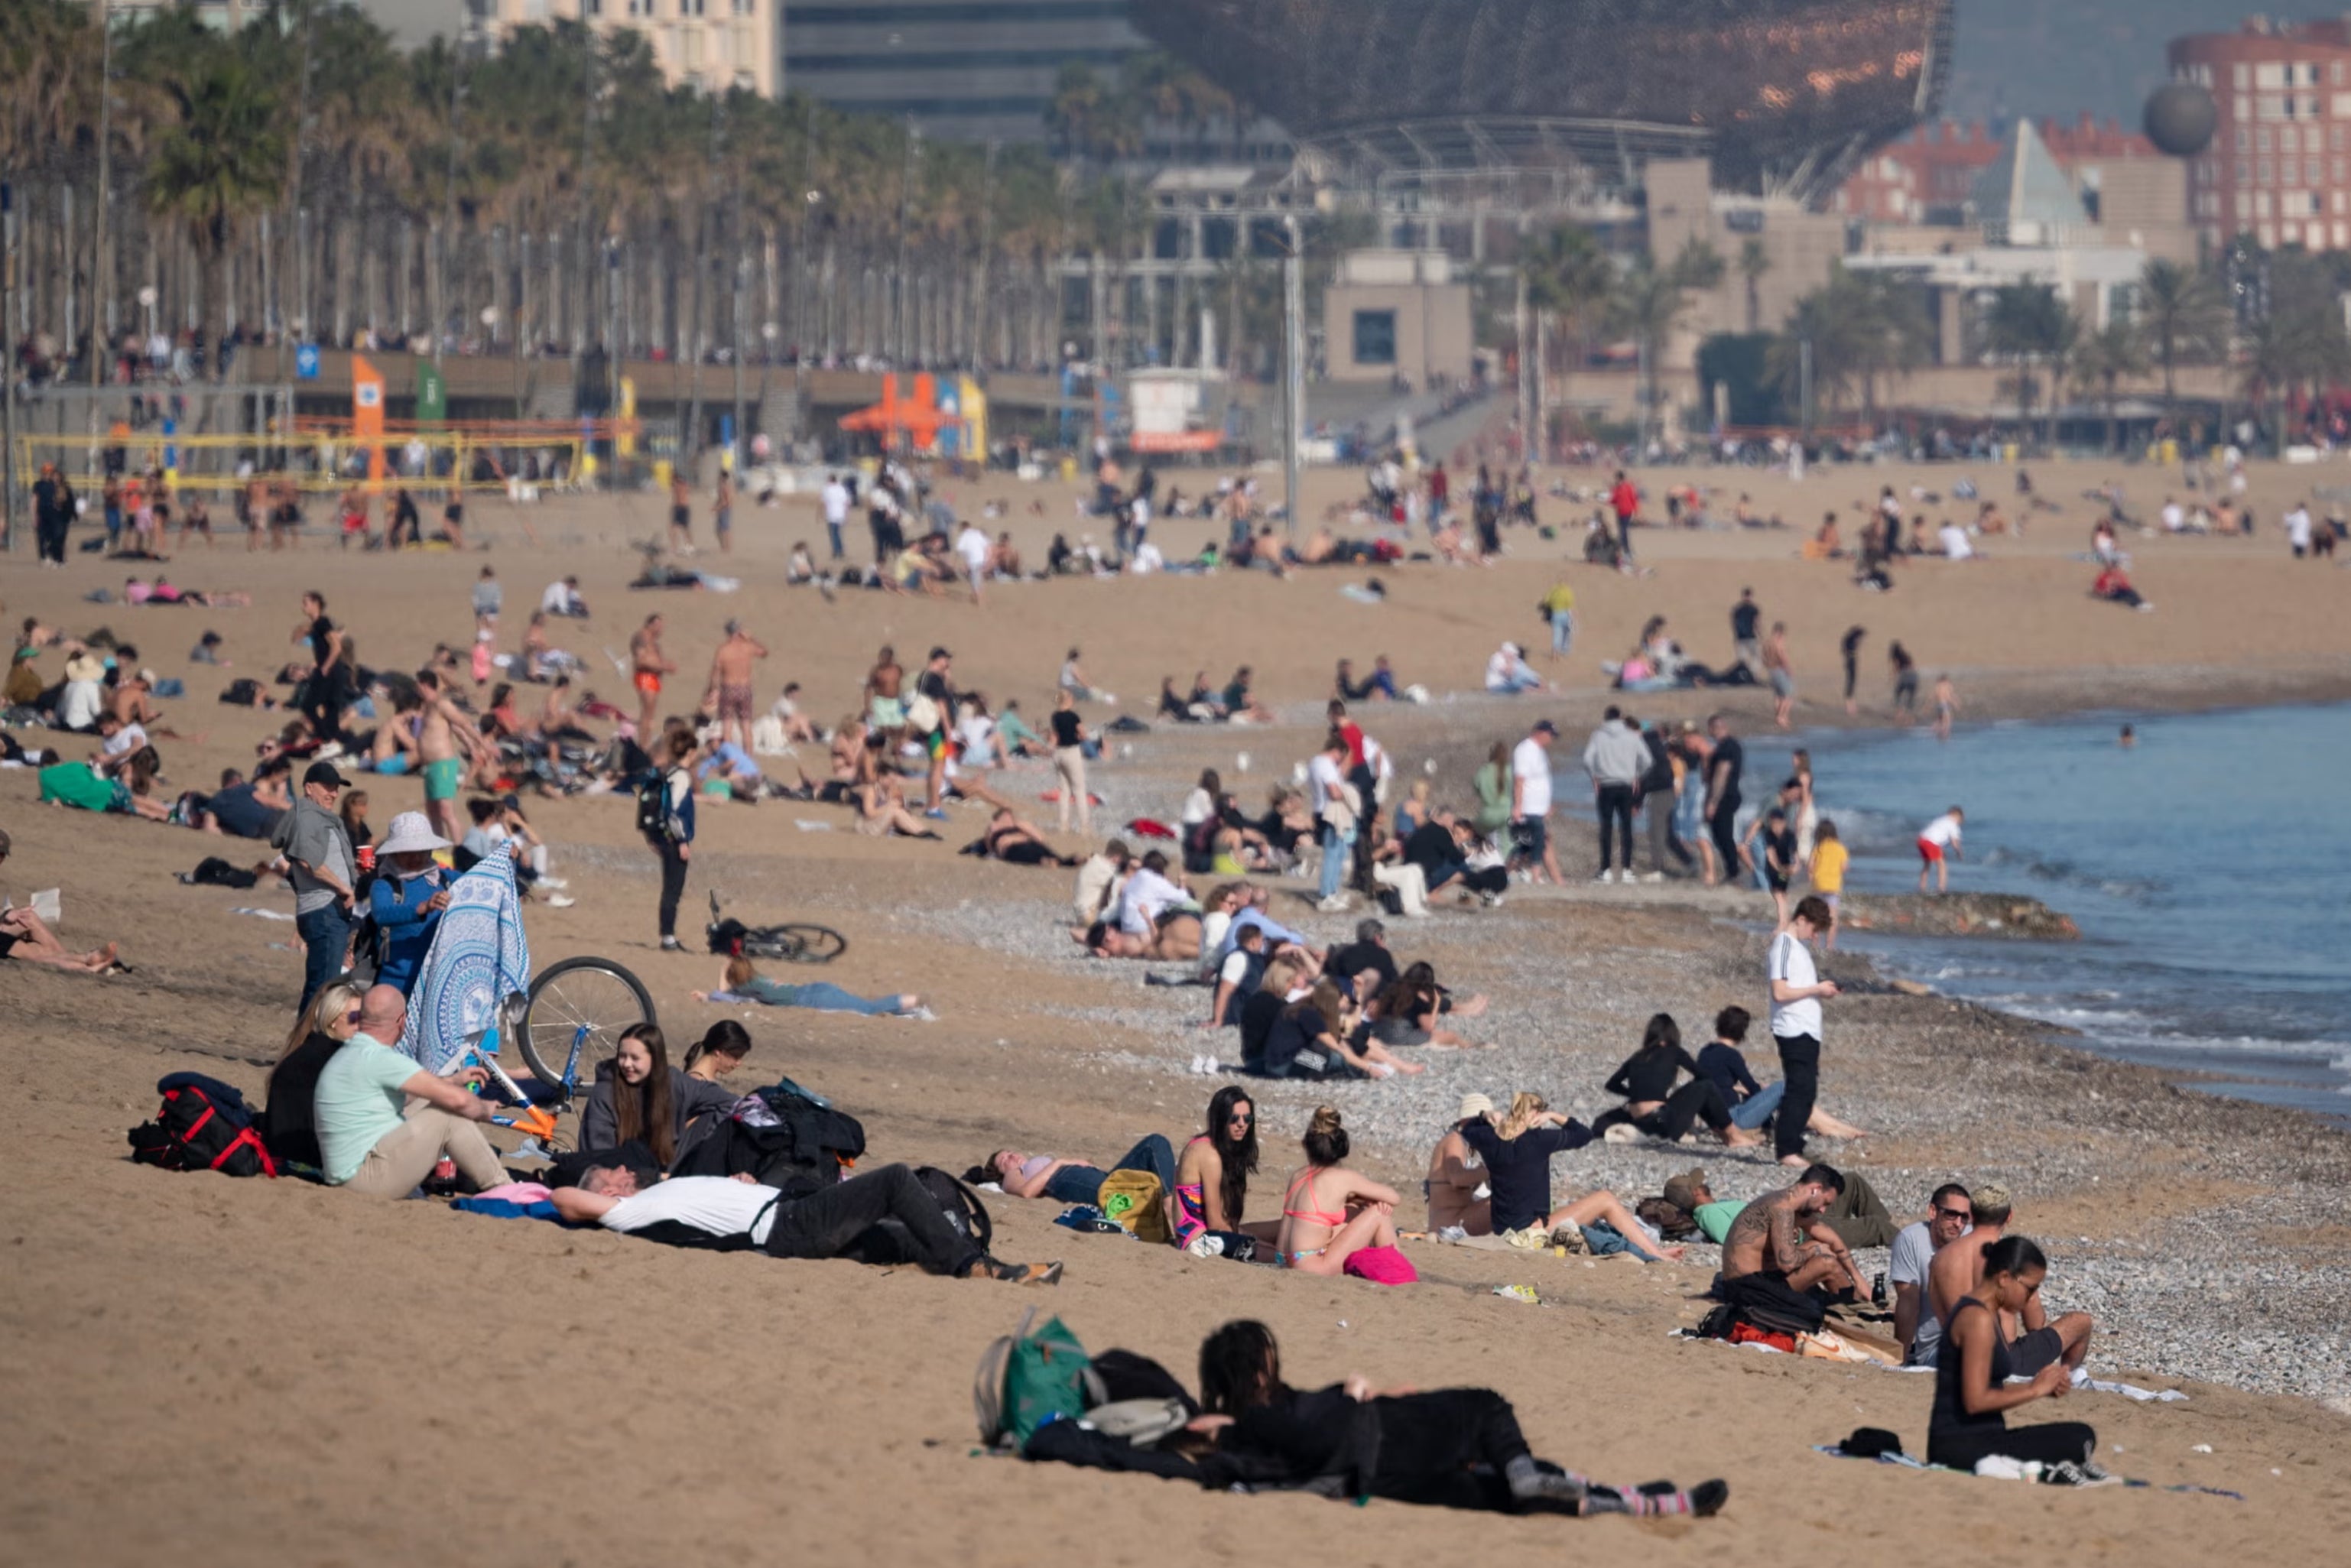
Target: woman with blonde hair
(1516,1147)
(288,1127)
(1330,1213)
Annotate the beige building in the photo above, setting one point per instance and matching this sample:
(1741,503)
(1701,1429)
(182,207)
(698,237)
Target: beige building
(712,45)
(1797,245)
(1393,313)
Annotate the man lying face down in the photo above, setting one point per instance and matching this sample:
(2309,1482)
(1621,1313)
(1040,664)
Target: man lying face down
(736,1212)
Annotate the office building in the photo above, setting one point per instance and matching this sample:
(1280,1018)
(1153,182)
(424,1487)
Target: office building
(711,44)
(2279,166)
(975,70)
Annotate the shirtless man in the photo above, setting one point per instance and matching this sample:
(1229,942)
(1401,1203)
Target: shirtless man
(730,683)
(885,706)
(648,664)
(2033,1342)
(1764,1239)
(445,740)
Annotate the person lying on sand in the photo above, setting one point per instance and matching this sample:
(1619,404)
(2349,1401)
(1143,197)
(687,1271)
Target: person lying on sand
(1151,917)
(23,935)
(1454,1447)
(1515,1148)
(739,982)
(737,1210)
(1022,1174)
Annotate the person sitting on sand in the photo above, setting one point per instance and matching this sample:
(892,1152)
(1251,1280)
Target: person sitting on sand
(1155,918)
(1653,1103)
(1917,1328)
(1779,1244)
(406,899)
(1973,1391)
(1508,673)
(1330,1213)
(738,982)
(1022,1174)
(1451,1447)
(1316,1037)
(370,1139)
(721,1050)
(1455,1184)
(639,1096)
(1212,1178)
(1240,704)
(1751,1103)
(882,813)
(288,1126)
(25,935)
(2114,585)
(2032,1340)
(1516,1148)
(1410,1010)
(734,1211)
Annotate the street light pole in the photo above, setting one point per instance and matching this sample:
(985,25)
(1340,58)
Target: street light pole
(1293,372)
(7,369)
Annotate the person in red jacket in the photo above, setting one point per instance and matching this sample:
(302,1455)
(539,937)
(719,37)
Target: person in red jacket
(1625,500)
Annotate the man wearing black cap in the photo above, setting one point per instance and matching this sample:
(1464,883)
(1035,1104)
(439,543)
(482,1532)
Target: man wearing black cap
(320,863)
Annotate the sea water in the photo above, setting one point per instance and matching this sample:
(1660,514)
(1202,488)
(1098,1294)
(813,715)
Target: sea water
(2207,865)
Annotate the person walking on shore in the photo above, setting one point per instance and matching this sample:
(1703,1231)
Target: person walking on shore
(1616,759)
(1530,805)
(1069,761)
(1625,501)
(1558,608)
(1783,675)
(681,514)
(1905,683)
(1797,992)
(1849,645)
(1939,845)
(835,498)
(1724,763)
(1947,707)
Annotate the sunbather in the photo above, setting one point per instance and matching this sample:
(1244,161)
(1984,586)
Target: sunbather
(1074,1181)
(1655,1106)
(1516,1148)
(1212,1182)
(739,982)
(1330,1213)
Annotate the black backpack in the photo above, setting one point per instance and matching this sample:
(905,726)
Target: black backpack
(204,1126)
(653,808)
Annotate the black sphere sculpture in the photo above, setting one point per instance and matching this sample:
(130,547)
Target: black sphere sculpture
(2181,117)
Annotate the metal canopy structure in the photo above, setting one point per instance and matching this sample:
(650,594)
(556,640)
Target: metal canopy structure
(1784,95)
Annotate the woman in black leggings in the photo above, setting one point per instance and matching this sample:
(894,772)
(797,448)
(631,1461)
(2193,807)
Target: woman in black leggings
(1652,1102)
(1971,1388)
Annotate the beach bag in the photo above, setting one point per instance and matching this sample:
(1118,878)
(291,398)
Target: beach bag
(243,692)
(922,714)
(1030,1379)
(204,1126)
(1136,1202)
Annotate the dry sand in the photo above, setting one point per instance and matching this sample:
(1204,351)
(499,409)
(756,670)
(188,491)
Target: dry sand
(324,1380)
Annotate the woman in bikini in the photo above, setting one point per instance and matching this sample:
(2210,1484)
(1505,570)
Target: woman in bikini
(1330,1213)
(1212,1183)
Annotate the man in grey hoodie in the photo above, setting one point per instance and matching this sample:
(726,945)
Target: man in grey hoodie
(1616,756)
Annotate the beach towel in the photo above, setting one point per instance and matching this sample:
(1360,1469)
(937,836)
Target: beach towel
(479,957)
(1382,1266)
(1896,1457)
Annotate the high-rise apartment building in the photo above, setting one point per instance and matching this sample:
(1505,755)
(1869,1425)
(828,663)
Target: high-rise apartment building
(977,70)
(2279,167)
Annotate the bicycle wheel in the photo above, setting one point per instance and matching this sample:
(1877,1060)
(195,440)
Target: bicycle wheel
(808,944)
(590,1001)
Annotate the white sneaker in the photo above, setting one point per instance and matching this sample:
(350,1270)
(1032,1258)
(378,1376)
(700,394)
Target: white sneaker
(555,884)
(1605,876)
(1337,903)
(560,901)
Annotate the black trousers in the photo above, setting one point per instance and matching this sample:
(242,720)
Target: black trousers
(49,534)
(1427,1437)
(822,1224)
(1799,1066)
(673,865)
(2058,1441)
(322,705)
(1723,827)
(1697,1100)
(1660,804)
(1616,805)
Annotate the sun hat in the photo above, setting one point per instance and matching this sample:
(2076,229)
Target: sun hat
(412,834)
(85,667)
(1475,1106)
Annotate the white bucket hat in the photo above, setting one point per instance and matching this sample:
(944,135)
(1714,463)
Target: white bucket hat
(412,832)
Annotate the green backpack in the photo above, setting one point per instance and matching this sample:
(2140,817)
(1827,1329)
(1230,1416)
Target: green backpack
(1027,1380)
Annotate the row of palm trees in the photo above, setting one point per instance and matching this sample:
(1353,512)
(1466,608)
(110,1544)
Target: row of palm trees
(302,179)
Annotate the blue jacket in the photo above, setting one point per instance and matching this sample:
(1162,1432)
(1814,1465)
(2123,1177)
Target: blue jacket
(398,906)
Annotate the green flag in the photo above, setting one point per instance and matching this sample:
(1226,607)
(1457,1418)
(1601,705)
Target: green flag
(431,394)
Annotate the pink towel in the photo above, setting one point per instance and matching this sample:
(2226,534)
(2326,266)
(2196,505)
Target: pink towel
(1382,1266)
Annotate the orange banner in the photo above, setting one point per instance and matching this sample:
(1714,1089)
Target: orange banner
(367,414)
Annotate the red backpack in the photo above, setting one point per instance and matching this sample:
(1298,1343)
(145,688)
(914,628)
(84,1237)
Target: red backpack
(204,1126)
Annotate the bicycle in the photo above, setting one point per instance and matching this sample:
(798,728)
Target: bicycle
(789,943)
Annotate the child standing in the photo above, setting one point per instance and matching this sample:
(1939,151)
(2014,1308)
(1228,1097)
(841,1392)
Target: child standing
(1827,873)
(1939,845)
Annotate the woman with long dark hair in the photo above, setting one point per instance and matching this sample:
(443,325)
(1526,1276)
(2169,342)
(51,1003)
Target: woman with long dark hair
(1451,1448)
(639,1095)
(719,1051)
(1972,1392)
(1212,1182)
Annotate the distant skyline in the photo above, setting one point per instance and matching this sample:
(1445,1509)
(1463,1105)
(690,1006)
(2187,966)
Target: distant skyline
(2042,57)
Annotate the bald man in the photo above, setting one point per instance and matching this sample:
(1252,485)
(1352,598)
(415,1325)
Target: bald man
(384,1123)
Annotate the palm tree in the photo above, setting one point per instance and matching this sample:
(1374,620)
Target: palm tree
(1754,261)
(2185,317)
(223,158)
(2028,324)
(1861,326)
(2106,358)
(1652,302)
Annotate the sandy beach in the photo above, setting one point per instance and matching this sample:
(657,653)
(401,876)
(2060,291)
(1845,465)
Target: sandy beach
(356,1383)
